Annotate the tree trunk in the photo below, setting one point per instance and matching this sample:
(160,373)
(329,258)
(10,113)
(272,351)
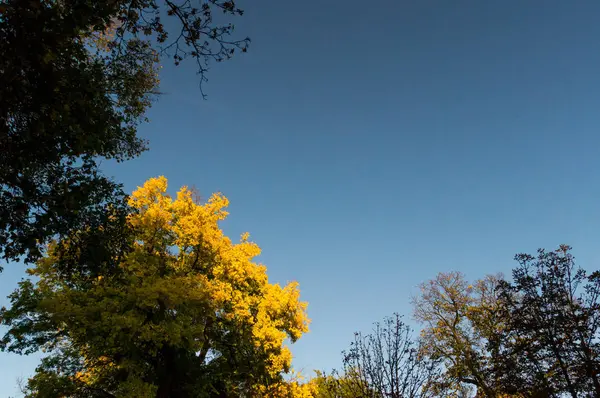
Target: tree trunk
(165,374)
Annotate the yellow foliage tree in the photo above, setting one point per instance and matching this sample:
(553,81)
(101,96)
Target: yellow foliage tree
(462,326)
(187,313)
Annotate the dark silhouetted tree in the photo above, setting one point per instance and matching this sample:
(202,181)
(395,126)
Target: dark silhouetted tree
(76,77)
(552,310)
(385,363)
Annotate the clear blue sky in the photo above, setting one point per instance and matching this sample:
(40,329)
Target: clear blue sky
(367,146)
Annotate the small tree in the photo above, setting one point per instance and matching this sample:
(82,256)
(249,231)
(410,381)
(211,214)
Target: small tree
(385,363)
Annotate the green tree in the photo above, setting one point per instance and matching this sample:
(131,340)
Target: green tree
(187,313)
(76,77)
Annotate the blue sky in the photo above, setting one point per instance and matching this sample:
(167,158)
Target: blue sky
(366,148)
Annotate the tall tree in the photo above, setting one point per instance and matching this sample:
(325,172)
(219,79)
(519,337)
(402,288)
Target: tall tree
(553,313)
(76,77)
(187,313)
(462,325)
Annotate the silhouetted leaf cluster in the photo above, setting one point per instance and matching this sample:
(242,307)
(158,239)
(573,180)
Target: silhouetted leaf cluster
(552,341)
(76,78)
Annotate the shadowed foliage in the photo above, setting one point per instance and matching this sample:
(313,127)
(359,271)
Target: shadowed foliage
(552,311)
(76,78)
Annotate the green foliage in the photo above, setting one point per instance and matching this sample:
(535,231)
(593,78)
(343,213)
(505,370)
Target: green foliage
(76,78)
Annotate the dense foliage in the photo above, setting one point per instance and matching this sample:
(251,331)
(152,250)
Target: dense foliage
(553,327)
(186,314)
(461,321)
(144,296)
(76,77)
(536,335)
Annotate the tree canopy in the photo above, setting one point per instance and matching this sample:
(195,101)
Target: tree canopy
(187,313)
(552,311)
(533,336)
(76,78)
(461,323)
(143,295)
